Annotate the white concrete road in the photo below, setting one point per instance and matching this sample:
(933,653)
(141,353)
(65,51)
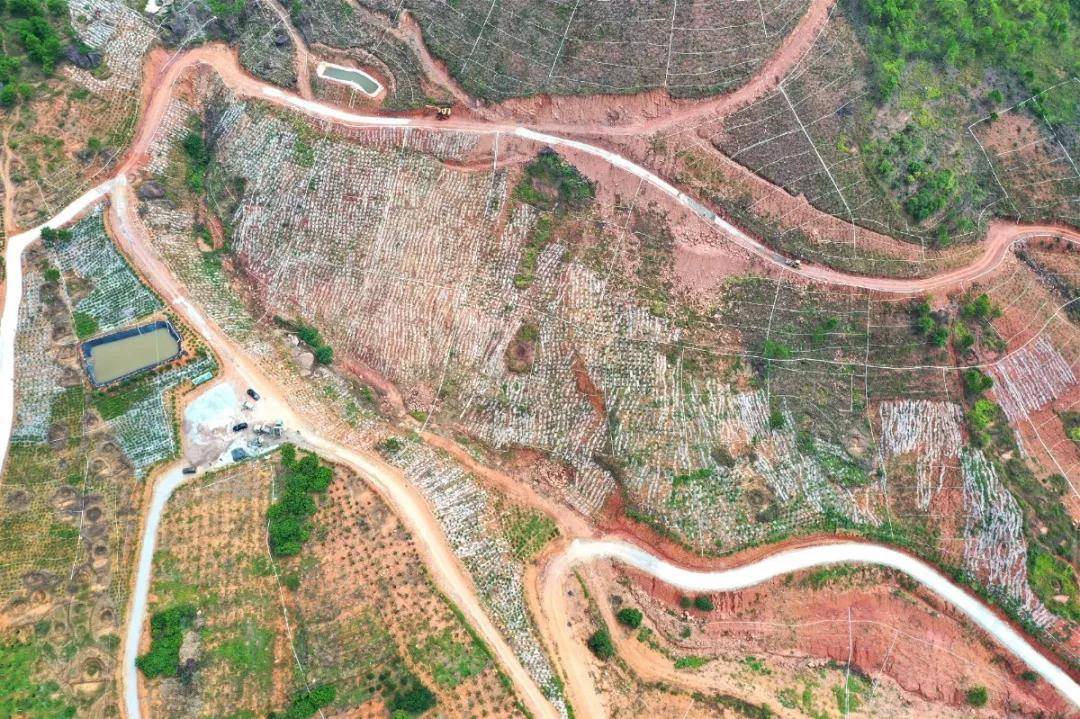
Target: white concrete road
(794,560)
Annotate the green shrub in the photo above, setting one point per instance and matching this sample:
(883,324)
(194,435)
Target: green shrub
(691,661)
(412,698)
(975,382)
(198,160)
(600,644)
(324,354)
(166,635)
(629,617)
(980,308)
(977,696)
(306,703)
(288,518)
(982,414)
(85,325)
(704,603)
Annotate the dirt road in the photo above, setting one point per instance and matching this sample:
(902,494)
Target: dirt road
(162,76)
(449,575)
(553,599)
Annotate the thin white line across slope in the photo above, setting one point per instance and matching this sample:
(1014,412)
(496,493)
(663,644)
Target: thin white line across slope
(794,560)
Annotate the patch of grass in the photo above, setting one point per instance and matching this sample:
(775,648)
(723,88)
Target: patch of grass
(977,696)
(22,696)
(827,575)
(691,661)
(693,476)
(85,325)
(306,703)
(757,666)
(849,699)
(1050,577)
(250,651)
(527,530)
(115,402)
(552,183)
(539,238)
(449,661)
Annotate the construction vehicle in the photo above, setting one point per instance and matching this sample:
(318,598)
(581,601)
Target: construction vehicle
(442,112)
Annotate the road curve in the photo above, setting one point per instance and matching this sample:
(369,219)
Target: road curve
(404,499)
(9,322)
(1002,235)
(775,565)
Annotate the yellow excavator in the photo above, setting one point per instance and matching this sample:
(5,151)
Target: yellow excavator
(442,112)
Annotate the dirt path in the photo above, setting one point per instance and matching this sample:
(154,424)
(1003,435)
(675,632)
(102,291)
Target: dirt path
(303,55)
(447,571)
(10,228)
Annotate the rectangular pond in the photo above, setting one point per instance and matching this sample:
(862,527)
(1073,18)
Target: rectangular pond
(350,76)
(121,354)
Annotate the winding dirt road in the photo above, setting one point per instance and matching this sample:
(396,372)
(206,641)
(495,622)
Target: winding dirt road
(1001,237)
(447,571)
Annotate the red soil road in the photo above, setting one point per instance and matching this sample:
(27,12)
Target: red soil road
(162,74)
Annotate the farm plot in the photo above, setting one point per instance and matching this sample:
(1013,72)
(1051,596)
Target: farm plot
(104,292)
(1033,160)
(70,135)
(68,524)
(39,377)
(840,640)
(747,416)
(368,601)
(360,613)
(212,554)
(824,134)
(514,49)
(466,511)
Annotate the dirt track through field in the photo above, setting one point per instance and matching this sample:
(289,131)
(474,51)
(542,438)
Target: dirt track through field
(452,579)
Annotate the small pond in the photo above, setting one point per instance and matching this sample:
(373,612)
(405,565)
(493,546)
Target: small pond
(120,354)
(350,76)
